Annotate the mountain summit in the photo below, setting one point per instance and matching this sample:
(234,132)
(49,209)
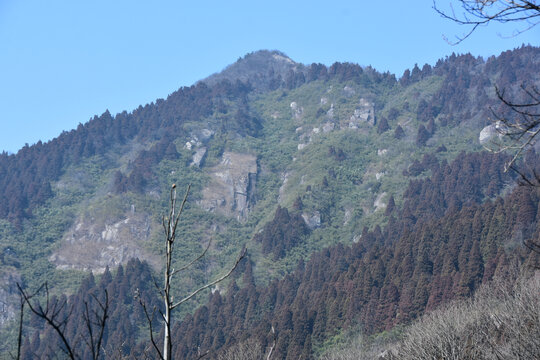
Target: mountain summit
(365,201)
(259,68)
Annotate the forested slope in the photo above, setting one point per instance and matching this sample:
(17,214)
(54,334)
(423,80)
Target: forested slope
(364,200)
(391,276)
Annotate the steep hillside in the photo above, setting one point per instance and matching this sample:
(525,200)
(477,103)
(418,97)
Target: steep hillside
(284,158)
(388,277)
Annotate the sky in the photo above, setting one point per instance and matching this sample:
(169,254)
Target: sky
(62,62)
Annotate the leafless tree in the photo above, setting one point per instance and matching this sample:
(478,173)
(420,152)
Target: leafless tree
(522,125)
(170,225)
(20,331)
(250,349)
(57,313)
(273,346)
(519,129)
(361,347)
(502,321)
(358,349)
(475,13)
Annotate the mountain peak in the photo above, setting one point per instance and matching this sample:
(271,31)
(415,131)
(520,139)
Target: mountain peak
(257,67)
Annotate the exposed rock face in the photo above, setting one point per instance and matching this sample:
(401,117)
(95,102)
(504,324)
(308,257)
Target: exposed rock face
(285,179)
(487,133)
(230,191)
(379,203)
(298,111)
(490,131)
(312,220)
(347,217)
(8,295)
(364,113)
(196,142)
(199,138)
(92,246)
(327,127)
(198,156)
(348,91)
(330,112)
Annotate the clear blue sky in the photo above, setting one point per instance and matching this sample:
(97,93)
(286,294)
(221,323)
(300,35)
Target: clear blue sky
(61,62)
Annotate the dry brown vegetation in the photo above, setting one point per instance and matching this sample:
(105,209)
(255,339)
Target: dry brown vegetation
(502,321)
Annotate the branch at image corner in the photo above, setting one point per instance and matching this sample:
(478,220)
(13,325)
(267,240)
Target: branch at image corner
(521,127)
(475,13)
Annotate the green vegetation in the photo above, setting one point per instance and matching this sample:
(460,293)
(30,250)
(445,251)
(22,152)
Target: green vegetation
(339,174)
(313,145)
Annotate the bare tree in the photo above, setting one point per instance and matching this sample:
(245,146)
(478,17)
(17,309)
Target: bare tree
(519,129)
(476,13)
(359,348)
(273,346)
(522,126)
(20,330)
(57,312)
(170,225)
(502,321)
(250,349)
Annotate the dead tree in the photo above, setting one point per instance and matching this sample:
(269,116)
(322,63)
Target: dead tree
(475,13)
(250,349)
(520,128)
(57,313)
(170,225)
(20,329)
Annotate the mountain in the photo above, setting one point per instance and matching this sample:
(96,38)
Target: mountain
(363,200)
(263,69)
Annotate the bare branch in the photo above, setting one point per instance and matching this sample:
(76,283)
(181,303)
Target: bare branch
(523,129)
(242,255)
(50,316)
(150,323)
(200,354)
(101,321)
(482,12)
(54,315)
(273,344)
(193,261)
(170,225)
(21,318)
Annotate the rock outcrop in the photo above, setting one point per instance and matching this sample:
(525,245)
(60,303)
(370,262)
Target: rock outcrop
(490,131)
(196,143)
(297,110)
(312,220)
(91,245)
(487,134)
(8,295)
(230,191)
(198,156)
(364,113)
(379,203)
